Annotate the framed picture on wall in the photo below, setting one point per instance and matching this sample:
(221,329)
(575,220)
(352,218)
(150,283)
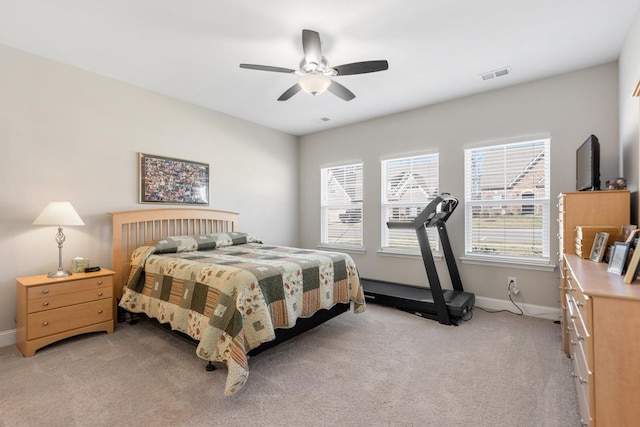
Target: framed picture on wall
(172,181)
(618,259)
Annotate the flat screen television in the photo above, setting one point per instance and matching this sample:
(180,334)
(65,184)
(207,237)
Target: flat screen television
(588,165)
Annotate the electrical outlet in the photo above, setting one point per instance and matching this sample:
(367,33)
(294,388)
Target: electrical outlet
(512,287)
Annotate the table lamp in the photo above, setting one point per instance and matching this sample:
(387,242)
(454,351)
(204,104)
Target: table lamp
(59,214)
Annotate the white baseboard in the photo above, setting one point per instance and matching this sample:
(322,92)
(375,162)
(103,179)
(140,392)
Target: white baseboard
(7,337)
(493,304)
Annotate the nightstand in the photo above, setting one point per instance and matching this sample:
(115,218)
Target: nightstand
(51,309)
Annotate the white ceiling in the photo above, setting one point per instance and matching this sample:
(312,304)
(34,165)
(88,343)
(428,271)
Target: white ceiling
(437,49)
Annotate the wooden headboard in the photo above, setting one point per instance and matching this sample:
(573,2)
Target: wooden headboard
(135,228)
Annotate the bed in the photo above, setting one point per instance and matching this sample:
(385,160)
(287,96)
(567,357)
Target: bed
(194,270)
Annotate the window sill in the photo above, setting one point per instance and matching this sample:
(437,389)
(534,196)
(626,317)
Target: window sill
(509,263)
(400,254)
(351,249)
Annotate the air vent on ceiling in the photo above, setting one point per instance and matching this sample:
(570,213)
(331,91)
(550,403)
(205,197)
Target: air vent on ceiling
(496,73)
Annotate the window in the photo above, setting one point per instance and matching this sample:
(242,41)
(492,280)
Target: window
(408,185)
(507,201)
(341,206)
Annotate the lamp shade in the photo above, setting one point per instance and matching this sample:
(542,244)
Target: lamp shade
(59,214)
(314,84)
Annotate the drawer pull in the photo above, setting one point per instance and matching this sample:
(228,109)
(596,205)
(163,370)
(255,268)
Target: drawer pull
(46,303)
(573,342)
(45,323)
(582,380)
(573,374)
(100,282)
(45,291)
(99,294)
(100,311)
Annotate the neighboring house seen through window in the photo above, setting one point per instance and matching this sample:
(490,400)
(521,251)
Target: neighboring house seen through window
(507,202)
(408,185)
(341,206)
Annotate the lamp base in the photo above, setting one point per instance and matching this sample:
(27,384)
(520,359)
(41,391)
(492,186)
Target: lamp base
(59,273)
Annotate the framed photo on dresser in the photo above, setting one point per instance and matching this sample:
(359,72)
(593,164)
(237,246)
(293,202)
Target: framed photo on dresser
(599,246)
(618,259)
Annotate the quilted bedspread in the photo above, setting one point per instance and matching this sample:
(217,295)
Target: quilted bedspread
(230,292)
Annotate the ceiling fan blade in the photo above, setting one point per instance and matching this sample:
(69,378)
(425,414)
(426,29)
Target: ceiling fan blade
(361,67)
(311,46)
(340,91)
(267,68)
(290,92)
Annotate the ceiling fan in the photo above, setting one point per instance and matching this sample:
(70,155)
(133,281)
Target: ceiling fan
(315,70)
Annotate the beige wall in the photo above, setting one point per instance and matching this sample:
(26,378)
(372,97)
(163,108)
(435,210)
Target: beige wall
(568,108)
(67,134)
(629,65)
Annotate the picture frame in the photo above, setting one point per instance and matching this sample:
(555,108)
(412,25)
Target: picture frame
(632,268)
(172,181)
(627,232)
(633,234)
(618,259)
(599,246)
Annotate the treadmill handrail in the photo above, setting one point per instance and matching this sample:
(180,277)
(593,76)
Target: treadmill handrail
(429,217)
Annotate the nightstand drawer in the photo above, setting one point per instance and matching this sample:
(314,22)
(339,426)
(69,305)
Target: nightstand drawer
(63,319)
(56,301)
(70,286)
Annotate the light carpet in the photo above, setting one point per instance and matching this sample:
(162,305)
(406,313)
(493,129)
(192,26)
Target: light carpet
(384,367)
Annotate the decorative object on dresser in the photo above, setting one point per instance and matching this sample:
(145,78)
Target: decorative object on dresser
(51,309)
(59,214)
(619,255)
(586,234)
(617,184)
(632,268)
(599,246)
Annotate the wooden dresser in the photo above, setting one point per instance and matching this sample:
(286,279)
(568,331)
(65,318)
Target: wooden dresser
(49,310)
(578,280)
(603,325)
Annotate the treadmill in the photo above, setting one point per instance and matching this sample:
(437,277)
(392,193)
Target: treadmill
(446,306)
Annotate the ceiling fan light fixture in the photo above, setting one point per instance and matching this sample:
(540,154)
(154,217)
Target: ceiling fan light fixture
(314,84)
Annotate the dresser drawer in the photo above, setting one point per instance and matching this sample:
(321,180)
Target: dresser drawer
(67,287)
(580,327)
(56,301)
(49,322)
(582,377)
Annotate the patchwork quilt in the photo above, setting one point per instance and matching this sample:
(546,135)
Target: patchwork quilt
(230,292)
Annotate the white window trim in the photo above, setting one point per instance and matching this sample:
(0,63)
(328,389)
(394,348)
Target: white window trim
(540,264)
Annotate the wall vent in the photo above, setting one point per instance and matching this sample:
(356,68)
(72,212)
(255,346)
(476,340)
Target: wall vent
(496,73)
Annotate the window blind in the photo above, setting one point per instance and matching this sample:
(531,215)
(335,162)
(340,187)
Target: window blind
(408,185)
(507,201)
(341,205)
